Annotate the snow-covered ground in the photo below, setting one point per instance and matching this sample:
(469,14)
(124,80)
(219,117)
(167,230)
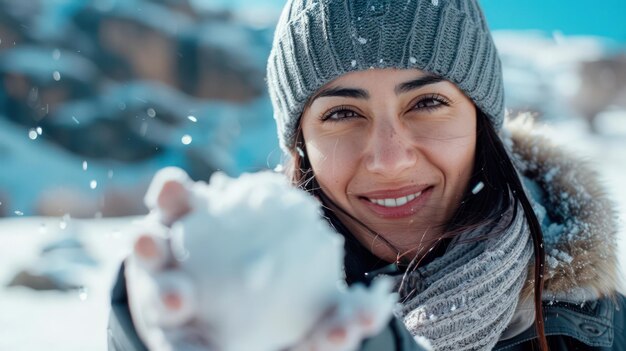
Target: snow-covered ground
(76,320)
(54,320)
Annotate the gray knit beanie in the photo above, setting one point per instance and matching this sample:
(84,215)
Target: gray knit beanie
(317,41)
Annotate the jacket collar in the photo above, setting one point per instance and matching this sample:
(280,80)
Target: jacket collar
(590,323)
(578,220)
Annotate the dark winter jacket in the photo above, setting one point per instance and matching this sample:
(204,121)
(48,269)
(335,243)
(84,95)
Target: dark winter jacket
(596,326)
(579,227)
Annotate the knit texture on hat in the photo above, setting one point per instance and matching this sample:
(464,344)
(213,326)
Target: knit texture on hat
(317,41)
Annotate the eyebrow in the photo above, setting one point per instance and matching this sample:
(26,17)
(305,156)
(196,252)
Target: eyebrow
(363,94)
(344,92)
(417,83)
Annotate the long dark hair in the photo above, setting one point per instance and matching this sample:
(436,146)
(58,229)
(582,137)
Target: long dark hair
(501,187)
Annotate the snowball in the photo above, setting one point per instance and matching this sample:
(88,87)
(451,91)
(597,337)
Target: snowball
(265,265)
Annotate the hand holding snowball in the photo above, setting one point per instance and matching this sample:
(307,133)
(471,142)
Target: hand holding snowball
(244,264)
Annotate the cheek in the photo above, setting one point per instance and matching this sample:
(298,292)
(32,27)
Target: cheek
(457,162)
(334,162)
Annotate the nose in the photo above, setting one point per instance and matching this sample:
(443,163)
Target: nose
(390,149)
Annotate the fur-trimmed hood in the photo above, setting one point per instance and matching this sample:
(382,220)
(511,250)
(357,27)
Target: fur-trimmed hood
(579,222)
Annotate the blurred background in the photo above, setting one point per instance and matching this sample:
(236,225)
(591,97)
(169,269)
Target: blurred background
(96,95)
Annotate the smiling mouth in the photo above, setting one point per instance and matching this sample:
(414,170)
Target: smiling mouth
(395,202)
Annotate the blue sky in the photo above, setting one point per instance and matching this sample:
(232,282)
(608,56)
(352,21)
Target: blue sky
(571,17)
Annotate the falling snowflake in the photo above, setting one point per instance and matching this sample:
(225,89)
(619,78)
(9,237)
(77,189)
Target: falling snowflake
(82,293)
(478,188)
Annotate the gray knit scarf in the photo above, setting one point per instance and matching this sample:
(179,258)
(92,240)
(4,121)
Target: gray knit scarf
(465,299)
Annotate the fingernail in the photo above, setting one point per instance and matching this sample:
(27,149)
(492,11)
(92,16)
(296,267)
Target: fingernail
(173,201)
(146,247)
(172,301)
(366,319)
(337,335)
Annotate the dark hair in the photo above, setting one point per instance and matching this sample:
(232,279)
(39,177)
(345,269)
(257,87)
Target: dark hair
(502,186)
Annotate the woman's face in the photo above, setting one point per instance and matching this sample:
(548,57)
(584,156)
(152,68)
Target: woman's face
(395,149)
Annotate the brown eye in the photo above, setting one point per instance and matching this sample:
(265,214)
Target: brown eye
(428,103)
(431,102)
(339,114)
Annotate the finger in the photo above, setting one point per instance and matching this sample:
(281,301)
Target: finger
(152,250)
(173,202)
(168,194)
(316,338)
(379,304)
(142,290)
(152,253)
(337,335)
(372,307)
(339,338)
(176,298)
(337,331)
(365,320)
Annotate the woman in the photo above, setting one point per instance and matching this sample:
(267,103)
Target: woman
(391,113)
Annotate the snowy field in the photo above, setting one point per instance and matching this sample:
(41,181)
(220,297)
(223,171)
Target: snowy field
(54,320)
(76,320)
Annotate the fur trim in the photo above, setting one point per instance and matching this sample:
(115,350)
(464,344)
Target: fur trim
(580,243)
